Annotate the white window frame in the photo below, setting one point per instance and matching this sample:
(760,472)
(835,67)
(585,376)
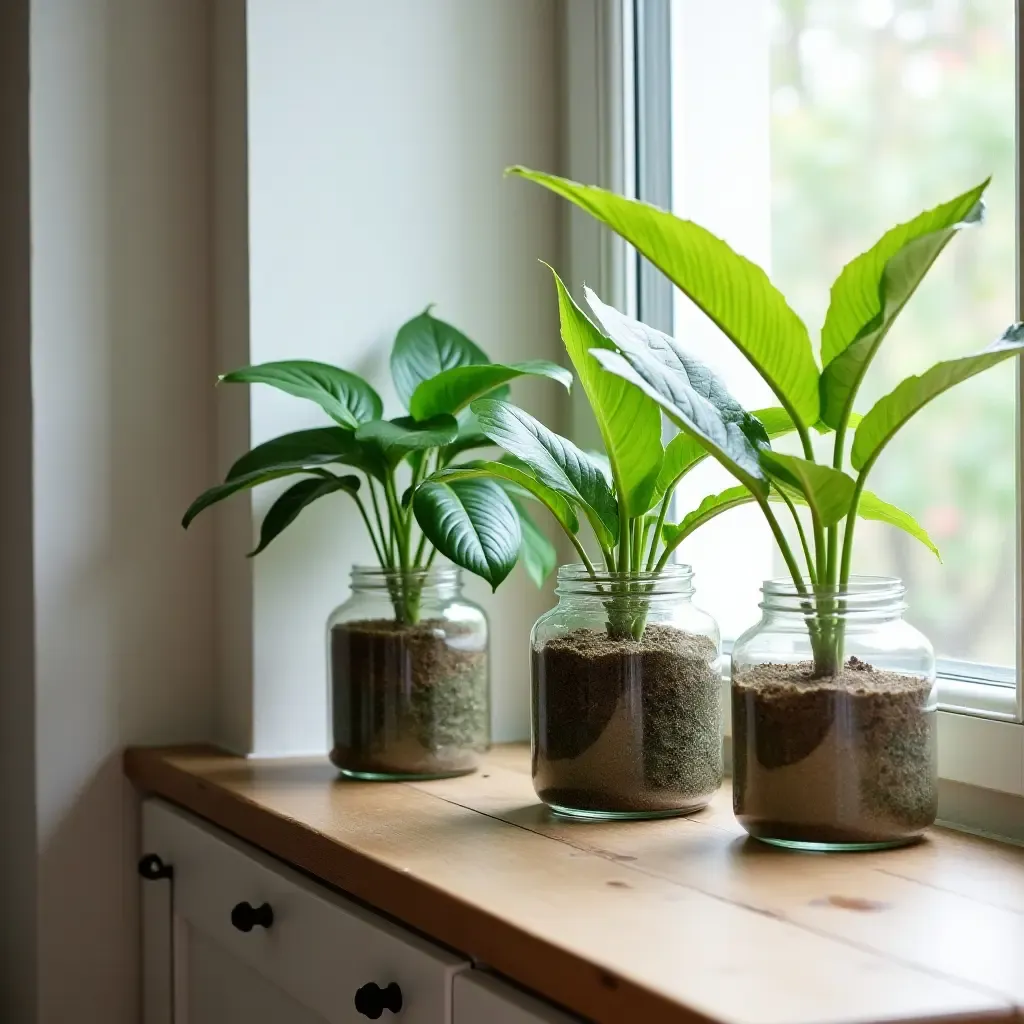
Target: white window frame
(618,66)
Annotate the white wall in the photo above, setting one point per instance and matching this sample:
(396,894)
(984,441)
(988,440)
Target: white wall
(377,135)
(121,372)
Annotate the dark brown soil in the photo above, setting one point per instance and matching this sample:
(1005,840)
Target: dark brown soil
(627,726)
(408,700)
(844,759)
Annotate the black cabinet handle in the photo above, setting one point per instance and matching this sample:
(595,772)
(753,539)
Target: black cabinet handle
(372,1000)
(245,917)
(151,867)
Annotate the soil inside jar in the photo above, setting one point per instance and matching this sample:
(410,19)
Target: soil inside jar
(627,726)
(408,700)
(842,759)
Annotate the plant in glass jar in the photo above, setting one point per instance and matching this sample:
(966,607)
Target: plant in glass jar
(626,691)
(833,693)
(407,654)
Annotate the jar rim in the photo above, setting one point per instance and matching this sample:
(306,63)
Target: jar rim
(379,574)
(576,578)
(863,587)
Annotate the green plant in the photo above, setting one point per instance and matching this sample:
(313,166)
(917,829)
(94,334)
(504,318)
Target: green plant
(739,298)
(437,372)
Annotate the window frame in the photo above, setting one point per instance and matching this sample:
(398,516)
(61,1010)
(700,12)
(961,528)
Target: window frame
(618,88)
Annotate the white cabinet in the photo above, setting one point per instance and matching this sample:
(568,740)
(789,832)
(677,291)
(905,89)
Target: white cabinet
(480,998)
(234,937)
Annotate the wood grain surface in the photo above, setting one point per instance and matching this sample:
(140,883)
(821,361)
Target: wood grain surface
(678,920)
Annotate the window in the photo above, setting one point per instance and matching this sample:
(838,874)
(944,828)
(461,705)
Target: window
(800,130)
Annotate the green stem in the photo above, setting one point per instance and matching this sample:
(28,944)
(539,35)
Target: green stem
(803,536)
(369,528)
(662,512)
(636,527)
(780,538)
(385,535)
(851,519)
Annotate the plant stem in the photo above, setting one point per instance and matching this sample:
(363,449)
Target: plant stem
(851,519)
(385,535)
(662,512)
(803,536)
(369,528)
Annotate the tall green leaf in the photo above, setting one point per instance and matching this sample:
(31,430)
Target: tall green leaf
(555,460)
(345,397)
(684,452)
(425,347)
(398,437)
(472,522)
(890,412)
(555,502)
(283,512)
(870,507)
(713,505)
(732,441)
(872,290)
(245,482)
(536,552)
(317,447)
(735,293)
(828,491)
(452,390)
(629,422)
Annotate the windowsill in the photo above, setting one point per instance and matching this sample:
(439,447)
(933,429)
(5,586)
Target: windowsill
(680,920)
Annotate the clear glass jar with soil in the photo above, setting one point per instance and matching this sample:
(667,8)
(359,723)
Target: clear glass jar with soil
(626,696)
(834,719)
(408,676)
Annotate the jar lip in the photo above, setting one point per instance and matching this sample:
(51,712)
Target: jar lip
(576,578)
(379,574)
(875,588)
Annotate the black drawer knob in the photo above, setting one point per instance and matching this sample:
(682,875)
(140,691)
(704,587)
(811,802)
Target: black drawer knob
(245,917)
(151,867)
(372,1000)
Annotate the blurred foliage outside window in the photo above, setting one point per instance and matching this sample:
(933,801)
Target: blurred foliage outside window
(880,108)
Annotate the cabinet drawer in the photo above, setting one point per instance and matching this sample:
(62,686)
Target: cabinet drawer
(320,948)
(480,998)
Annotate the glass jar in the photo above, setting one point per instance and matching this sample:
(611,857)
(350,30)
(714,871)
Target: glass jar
(833,719)
(409,679)
(626,696)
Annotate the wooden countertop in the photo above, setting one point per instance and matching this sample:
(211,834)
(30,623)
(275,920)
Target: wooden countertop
(680,920)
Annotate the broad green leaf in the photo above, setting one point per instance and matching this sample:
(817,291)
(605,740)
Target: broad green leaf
(519,478)
(726,439)
(425,347)
(828,491)
(629,422)
(317,447)
(872,290)
(470,436)
(283,512)
(890,412)
(713,505)
(346,398)
(735,293)
(452,390)
(555,460)
(472,522)
(244,482)
(684,452)
(536,552)
(870,507)
(398,437)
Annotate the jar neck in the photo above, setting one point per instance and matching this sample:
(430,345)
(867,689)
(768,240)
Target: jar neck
(437,582)
(674,582)
(864,599)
